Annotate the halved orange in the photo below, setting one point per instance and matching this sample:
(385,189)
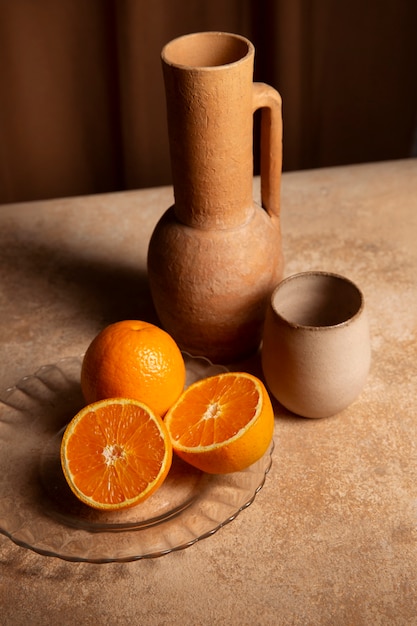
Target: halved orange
(223,423)
(115,453)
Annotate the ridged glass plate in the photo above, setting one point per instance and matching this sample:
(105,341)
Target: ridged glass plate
(39,512)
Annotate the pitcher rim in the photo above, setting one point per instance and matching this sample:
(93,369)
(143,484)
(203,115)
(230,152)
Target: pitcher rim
(250,51)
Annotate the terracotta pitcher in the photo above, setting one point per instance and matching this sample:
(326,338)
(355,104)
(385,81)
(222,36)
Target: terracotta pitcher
(215,256)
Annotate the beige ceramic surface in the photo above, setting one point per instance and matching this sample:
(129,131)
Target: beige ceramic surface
(316,348)
(215,256)
(331,539)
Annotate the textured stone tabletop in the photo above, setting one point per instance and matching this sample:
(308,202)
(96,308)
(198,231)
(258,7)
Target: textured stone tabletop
(331,539)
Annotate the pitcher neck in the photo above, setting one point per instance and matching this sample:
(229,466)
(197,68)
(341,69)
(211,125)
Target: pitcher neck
(210,128)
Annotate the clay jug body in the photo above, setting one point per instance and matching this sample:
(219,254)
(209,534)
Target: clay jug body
(215,255)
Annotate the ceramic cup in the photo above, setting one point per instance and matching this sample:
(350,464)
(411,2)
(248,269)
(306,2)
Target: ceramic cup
(316,345)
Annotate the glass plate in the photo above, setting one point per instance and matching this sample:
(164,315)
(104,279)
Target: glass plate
(38,511)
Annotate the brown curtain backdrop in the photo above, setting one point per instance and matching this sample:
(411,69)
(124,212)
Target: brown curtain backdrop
(82,105)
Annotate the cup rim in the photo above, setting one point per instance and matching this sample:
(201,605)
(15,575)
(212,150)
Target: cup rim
(316,328)
(213,34)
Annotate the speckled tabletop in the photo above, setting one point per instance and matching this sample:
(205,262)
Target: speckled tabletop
(331,538)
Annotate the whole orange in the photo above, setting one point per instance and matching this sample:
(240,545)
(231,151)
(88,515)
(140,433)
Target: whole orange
(134,359)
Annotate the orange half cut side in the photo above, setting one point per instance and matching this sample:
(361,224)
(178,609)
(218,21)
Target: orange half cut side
(223,423)
(115,453)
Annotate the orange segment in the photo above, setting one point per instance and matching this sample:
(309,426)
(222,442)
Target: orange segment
(223,423)
(115,453)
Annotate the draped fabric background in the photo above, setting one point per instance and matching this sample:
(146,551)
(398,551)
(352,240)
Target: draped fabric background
(82,105)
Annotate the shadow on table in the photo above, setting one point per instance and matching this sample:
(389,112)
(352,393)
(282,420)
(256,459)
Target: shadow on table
(48,275)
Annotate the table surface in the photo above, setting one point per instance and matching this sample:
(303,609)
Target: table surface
(332,536)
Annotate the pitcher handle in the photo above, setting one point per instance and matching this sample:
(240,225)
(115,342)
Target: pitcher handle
(269,100)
